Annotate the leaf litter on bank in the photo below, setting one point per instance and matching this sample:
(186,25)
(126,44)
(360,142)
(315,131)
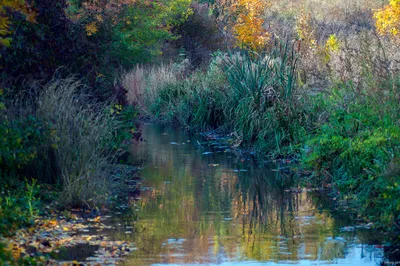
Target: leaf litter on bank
(49,238)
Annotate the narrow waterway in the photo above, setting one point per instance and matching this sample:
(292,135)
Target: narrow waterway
(211,207)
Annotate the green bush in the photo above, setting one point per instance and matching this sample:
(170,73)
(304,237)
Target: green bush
(126,129)
(20,142)
(19,204)
(66,139)
(359,146)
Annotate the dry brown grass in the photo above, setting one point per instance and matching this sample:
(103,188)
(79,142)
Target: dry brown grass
(365,59)
(134,82)
(143,84)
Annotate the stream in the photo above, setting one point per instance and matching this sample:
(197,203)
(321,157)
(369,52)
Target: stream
(209,206)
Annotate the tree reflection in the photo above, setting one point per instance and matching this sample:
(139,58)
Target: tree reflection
(204,209)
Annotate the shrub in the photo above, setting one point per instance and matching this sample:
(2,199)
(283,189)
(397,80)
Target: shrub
(199,35)
(18,204)
(20,142)
(83,134)
(359,145)
(143,84)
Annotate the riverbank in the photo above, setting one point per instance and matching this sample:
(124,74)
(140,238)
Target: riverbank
(206,204)
(37,229)
(59,150)
(346,136)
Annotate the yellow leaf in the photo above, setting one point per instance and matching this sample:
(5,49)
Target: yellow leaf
(5,42)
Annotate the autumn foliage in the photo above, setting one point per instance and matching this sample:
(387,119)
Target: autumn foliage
(244,19)
(131,30)
(388,19)
(249,27)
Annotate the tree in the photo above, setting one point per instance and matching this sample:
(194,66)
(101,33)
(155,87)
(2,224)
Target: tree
(132,31)
(249,26)
(244,20)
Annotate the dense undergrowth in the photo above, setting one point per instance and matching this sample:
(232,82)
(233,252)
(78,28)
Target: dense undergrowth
(58,150)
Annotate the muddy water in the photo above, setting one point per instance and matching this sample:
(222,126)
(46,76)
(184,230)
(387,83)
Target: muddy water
(205,206)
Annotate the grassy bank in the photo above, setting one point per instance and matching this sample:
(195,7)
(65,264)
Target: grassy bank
(347,133)
(65,139)
(58,150)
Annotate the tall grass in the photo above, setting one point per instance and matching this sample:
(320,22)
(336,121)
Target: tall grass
(265,77)
(143,83)
(248,94)
(80,134)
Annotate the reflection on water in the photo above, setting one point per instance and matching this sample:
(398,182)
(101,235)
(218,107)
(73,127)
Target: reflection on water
(213,208)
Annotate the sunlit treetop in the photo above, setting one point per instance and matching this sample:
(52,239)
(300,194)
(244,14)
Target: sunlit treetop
(244,20)
(249,27)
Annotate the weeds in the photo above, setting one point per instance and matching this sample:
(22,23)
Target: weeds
(247,93)
(357,145)
(143,86)
(18,205)
(64,138)
(265,78)
(82,135)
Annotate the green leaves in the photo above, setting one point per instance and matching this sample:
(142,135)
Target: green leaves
(359,145)
(18,205)
(130,32)
(19,142)
(268,78)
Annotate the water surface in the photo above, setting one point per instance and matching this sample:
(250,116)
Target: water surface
(212,207)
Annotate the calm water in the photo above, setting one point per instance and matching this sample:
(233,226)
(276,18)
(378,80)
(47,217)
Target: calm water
(199,207)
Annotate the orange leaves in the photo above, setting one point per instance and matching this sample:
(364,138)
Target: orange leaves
(245,19)
(96,12)
(50,223)
(18,6)
(165,13)
(95,220)
(15,251)
(52,235)
(249,28)
(387,19)
(303,26)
